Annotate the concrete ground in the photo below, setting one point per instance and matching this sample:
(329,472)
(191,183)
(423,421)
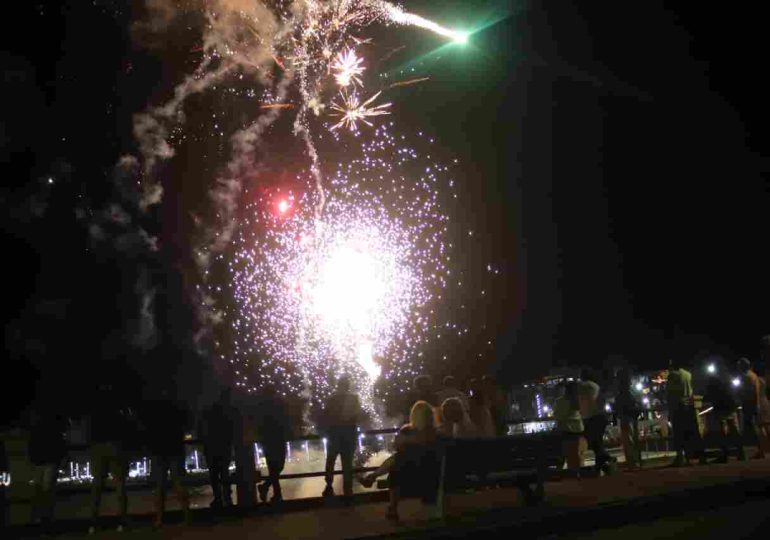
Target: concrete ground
(75,505)
(657,499)
(750,519)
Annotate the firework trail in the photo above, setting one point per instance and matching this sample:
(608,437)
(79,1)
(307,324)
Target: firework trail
(409,82)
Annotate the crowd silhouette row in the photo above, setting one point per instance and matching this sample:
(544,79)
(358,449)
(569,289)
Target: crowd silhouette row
(738,399)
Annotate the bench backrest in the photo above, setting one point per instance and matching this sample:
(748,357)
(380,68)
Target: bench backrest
(504,454)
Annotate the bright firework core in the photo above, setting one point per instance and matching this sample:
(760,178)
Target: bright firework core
(354,290)
(347,296)
(283,206)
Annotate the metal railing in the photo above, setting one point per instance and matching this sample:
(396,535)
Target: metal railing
(649,439)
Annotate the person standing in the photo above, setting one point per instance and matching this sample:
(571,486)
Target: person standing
(751,390)
(166,420)
(679,394)
(495,400)
(244,439)
(4,472)
(342,416)
(450,390)
(594,420)
(479,412)
(217,433)
(110,421)
(627,410)
(47,448)
(725,410)
(273,429)
(566,411)
(764,357)
(422,390)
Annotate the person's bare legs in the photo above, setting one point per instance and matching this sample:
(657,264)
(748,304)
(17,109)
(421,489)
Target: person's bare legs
(331,459)
(626,439)
(392,512)
(160,493)
(763,437)
(177,481)
(347,451)
(368,479)
(98,465)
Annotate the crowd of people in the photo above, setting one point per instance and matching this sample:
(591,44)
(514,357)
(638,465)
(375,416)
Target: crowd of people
(157,425)
(738,402)
(121,429)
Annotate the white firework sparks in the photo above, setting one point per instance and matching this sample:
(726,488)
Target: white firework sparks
(348,68)
(351,293)
(352,111)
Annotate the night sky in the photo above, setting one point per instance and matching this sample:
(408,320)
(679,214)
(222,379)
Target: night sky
(613,167)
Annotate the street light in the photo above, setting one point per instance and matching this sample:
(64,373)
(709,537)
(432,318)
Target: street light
(711,368)
(736,382)
(639,386)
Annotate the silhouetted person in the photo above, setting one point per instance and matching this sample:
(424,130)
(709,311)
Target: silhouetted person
(751,394)
(725,410)
(416,465)
(594,419)
(274,430)
(627,411)
(244,439)
(166,420)
(566,411)
(455,422)
(110,421)
(449,389)
(764,356)
(217,434)
(478,410)
(684,422)
(4,470)
(342,413)
(496,403)
(422,390)
(47,448)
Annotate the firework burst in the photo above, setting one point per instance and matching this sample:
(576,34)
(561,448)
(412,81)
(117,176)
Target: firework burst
(348,69)
(352,111)
(352,292)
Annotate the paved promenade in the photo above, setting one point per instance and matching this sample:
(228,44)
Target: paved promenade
(608,501)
